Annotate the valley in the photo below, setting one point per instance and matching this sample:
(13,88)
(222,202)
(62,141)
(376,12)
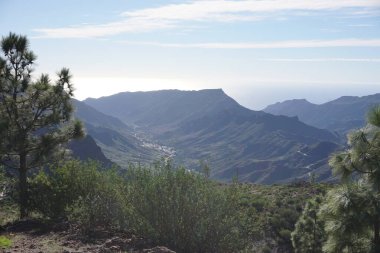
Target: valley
(195,128)
(190,126)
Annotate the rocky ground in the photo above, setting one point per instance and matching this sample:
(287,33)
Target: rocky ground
(36,237)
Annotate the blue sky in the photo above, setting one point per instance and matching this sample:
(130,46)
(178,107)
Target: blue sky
(258,51)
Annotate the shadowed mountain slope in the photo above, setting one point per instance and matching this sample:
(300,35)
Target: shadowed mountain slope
(87,149)
(90,115)
(118,141)
(210,126)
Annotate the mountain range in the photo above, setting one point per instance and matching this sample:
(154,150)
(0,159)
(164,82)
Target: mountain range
(340,115)
(209,126)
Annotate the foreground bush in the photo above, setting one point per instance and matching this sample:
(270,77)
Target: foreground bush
(172,206)
(8,199)
(184,210)
(82,192)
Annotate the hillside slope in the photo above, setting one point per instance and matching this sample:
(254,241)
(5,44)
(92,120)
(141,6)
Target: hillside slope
(341,115)
(87,149)
(210,126)
(118,141)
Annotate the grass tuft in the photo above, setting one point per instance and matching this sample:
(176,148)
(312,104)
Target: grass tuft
(5,243)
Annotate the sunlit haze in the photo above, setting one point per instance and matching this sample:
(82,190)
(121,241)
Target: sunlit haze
(258,51)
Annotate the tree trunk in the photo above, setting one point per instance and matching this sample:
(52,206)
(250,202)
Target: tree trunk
(23,187)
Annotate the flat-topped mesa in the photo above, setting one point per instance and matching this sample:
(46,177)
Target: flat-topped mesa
(210,125)
(163,106)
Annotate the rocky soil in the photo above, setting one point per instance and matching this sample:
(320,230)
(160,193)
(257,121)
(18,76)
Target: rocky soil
(37,237)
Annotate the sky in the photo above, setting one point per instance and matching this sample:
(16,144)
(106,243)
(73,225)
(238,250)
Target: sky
(258,51)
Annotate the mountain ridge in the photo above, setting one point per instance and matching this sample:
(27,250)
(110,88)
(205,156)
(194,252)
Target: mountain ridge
(208,125)
(341,115)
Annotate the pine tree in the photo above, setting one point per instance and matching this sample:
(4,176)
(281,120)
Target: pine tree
(361,161)
(35,115)
(347,215)
(308,236)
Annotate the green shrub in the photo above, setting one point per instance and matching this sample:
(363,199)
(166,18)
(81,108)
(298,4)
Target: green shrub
(259,204)
(8,205)
(104,205)
(83,192)
(267,224)
(184,210)
(174,207)
(284,234)
(266,249)
(2,175)
(5,243)
(49,195)
(7,185)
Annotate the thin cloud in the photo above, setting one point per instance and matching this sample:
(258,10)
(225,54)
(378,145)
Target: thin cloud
(215,10)
(321,60)
(268,45)
(175,15)
(361,25)
(90,31)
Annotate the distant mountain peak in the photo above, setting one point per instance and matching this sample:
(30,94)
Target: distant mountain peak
(340,115)
(289,107)
(295,101)
(301,100)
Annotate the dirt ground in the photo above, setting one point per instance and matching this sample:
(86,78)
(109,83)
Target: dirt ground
(36,237)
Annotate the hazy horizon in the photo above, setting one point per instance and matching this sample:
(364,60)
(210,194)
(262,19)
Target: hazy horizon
(258,51)
(245,100)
